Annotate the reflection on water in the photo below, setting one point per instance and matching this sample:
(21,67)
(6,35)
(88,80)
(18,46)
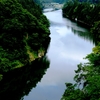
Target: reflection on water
(85,35)
(80,31)
(19,82)
(58,21)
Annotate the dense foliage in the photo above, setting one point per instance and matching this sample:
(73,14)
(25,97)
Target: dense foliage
(83,12)
(24,32)
(87,78)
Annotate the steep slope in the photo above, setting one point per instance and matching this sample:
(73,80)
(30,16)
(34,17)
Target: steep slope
(24,33)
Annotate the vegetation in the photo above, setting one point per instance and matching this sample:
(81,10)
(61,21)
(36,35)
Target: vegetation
(87,76)
(24,31)
(83,12)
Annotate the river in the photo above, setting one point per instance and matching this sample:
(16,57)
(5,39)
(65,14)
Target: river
(67,49)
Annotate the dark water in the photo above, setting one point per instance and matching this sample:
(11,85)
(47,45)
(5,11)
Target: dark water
(19,82)
(45,78)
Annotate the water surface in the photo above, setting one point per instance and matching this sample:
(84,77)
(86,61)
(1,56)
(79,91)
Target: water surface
(67,48)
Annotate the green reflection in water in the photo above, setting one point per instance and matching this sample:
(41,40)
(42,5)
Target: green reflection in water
(85,35)
(19,82)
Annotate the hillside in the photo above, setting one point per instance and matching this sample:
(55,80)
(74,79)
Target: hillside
(24,33)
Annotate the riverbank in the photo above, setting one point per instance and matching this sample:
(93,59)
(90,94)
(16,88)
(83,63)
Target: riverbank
(80,22)
(84,13)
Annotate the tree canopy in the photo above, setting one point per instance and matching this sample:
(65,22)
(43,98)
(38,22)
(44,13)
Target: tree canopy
(84,12)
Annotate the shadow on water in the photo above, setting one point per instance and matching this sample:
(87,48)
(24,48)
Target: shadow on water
(85,35)
(81,30)
(19,82)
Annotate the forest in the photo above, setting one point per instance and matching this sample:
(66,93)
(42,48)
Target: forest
(87,75)
(24,34)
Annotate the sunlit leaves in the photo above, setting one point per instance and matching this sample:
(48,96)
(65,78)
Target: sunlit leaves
(96,49)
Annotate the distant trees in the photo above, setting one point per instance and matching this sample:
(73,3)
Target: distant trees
(84,12)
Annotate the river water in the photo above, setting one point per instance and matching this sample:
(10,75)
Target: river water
(69,45)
